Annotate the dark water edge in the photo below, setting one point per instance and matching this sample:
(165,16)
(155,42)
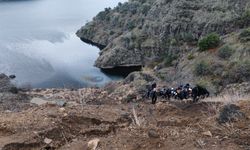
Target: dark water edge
(100,46)
(121,71)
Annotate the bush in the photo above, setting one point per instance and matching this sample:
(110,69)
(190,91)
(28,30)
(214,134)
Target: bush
(169,58)
(210,41)
(217,68)
(225,52)
(104,15)
(188,37)
(202,68)
(173,42)
(240,72)
(245,35)
(245,18)
(190,57)
(130,25)
(128,7)
(145,8)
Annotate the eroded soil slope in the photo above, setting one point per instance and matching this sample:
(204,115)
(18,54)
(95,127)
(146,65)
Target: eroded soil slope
(166,125)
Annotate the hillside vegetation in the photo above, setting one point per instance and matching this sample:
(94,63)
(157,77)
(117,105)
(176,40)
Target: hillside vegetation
(197,41)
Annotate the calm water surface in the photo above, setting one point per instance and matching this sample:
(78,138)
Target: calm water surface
(38,42)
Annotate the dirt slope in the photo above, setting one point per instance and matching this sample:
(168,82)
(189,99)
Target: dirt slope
(169,125)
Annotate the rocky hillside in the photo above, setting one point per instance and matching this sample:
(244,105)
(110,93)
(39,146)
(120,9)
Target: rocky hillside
(167,36)
(139,30)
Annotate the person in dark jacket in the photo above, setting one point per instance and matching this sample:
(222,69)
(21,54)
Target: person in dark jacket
(154,85)
(154,93)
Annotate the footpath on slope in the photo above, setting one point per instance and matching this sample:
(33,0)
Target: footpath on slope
(92,117)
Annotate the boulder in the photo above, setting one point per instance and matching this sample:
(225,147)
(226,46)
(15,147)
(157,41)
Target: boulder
(60,103)
(207,133)
(152,133)
(92,145)
(6,85)
(47,141)
(38,101)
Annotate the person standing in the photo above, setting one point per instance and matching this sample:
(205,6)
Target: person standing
(154,93)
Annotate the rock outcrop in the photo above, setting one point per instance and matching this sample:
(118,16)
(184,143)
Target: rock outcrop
(138,30)
(5,84)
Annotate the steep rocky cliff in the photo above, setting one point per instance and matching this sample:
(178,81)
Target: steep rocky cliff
(140,30)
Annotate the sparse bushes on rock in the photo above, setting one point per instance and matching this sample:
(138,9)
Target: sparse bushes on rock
(225,52)
(210,41)
(240,72)
(188,37)
(217,68)
(130,25)
(103,15)
(245,18)
(145,8)
(128,7)
(202,68)
(169,58)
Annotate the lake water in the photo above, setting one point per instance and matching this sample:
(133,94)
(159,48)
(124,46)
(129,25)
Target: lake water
(38,42)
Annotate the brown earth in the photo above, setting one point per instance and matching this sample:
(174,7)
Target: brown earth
(141,125)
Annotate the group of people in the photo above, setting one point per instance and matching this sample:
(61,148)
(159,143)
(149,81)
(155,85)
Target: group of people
(181,92)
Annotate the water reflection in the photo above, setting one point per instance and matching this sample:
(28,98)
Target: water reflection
(38,42)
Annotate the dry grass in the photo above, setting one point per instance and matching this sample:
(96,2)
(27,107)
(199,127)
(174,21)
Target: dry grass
(228,98)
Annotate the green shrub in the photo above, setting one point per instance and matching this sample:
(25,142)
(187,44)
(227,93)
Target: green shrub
(190,57)
(104,15)
(210,41)
(245,35)
(225,52)
(131,25)
(128,7)
(173,42)
(111,32)
(188,37)
(169,58)
(145,8)
(202,68)
(246,16)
